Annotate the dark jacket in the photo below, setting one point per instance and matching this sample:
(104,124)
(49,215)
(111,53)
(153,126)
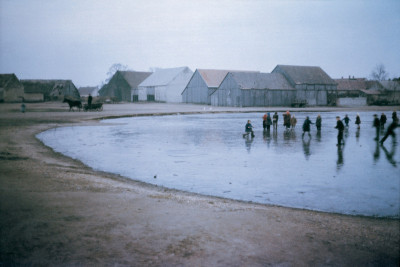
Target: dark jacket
(376,123)
(249,127)
(306,125)
(340,126)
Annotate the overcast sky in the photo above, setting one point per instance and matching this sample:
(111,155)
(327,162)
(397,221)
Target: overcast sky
(80,40)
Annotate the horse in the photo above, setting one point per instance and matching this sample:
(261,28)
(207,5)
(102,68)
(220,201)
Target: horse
(73,103)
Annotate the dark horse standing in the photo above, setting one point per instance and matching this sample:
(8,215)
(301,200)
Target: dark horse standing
(73,103)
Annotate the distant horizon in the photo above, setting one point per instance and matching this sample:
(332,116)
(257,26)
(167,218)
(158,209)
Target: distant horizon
(80,40)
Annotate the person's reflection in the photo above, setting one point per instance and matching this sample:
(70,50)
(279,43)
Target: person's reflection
(306,148)
(275,136)
(377,152)
(267,137)
(318,136)
(346,132)
(247,142)
(340,161)
(357,134)
(389,155)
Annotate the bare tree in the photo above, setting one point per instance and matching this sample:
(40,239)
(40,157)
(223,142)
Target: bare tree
(379,73)
(113,69)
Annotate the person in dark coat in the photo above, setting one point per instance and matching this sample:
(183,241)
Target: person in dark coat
(346,120)
(275,119)
(391,128)
(286,119)
(340,127)
(89,101)
(268,121)
(306,126)
(249,129)
(358,121)
(377,125)
(318,122)
(383,120)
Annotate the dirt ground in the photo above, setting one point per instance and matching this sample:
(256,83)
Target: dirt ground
(56,211)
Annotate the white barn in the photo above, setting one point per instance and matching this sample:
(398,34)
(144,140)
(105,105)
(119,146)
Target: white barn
(165,85)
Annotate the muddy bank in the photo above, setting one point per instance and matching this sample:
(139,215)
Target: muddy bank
(56,211)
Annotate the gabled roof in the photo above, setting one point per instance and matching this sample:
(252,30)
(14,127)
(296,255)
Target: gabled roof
(351,84)
(134,78)
(304,74)
(390,85)
(7,79)
(87,90)
(43,86)
(164,76)
(213,78)
(254,80)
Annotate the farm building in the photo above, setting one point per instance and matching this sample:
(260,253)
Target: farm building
(164,85)
(351,92)
(121,85)
(312,84)
(11,89)
(249,89)
(85,91)
(46,90)
(202,84)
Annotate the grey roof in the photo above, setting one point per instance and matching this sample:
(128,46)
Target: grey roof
(252,80)
(391,85)
(134,78)
(7,80)
(304,74)
(351,84)
(43,86)
(86,90)
(213,78)
(164,76)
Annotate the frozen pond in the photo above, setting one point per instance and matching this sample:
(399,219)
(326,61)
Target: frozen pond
(207,154)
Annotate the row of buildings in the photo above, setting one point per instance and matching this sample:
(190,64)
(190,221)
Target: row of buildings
(286,85)
(14,90)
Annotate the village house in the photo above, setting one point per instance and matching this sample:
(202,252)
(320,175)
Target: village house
(312,84)
(202,84)
(250,89)
(11,89)
(121,85)
(164,85)
(351,92)
(49,90)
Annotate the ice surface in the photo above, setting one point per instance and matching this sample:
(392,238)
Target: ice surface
(206,154)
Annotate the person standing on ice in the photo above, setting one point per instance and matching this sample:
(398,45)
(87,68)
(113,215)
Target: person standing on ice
(318,122)
(346,120)
(286,119)
(268,121)
(306,127)
(275,120)
(358,121)
(340,127)
(376,124)
(265,121)
(249,129)
(383,120)
(293,122)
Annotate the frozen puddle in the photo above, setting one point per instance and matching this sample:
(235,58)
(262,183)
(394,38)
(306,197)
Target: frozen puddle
(206,154)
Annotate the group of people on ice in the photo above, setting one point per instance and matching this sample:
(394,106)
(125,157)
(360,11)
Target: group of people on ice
(290,121)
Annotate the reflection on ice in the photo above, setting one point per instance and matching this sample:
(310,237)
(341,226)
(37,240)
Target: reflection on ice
(207,154)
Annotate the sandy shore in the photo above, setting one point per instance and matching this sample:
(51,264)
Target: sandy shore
(56,211)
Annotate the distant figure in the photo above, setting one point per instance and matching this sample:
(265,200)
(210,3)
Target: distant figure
(275,119)
(394,117)
(249,129)
(358,121)
(269,121)
(340,127)
(376,124)
(306,127)
(265,121)
(346,120)
(286,119)
(391,128)
(383,120)
(293,122)
(318,122)
(89,101)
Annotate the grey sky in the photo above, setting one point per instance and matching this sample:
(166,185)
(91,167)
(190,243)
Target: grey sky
(80,40)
